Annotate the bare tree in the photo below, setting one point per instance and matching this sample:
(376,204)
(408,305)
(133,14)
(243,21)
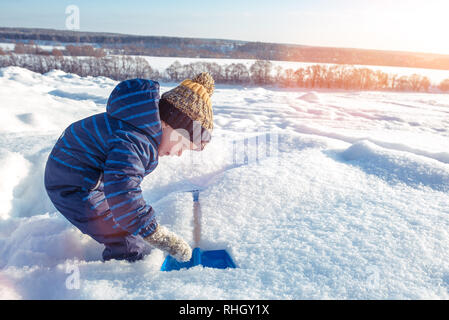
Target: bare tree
(444,85)
(288,79)
(279,75)
(19,48)
(57,53)
(300,77)
(419,83)
(315,75)
(381,79)
(261,71)
(404,84)
(236,73)
(174,71)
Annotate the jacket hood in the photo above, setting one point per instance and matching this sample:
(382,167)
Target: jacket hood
(136,101)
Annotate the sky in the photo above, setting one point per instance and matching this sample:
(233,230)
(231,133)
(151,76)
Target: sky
(403,25)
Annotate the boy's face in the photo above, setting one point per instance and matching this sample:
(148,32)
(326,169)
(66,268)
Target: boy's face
(173,143)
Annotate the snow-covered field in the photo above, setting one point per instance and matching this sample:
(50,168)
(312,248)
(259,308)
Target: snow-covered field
(351,202)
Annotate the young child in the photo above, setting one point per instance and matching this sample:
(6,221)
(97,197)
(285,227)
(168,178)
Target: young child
(94,171)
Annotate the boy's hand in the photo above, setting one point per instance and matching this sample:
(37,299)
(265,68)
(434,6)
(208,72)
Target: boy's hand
(168,241)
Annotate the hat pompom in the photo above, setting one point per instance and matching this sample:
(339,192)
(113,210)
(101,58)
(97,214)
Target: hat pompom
(206,80)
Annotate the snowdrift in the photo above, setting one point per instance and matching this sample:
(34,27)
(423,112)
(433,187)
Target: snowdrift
(316,195)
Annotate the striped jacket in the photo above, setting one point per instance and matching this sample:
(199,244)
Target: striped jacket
(108,154)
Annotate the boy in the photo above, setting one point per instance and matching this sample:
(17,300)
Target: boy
(94,171)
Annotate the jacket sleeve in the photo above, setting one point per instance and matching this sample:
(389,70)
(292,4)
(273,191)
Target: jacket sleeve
(123,172)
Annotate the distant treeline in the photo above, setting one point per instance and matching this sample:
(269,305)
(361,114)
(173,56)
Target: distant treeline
(261,72)
(69,50)
(221,48)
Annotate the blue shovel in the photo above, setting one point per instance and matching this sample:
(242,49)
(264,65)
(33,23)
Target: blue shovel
(218,259)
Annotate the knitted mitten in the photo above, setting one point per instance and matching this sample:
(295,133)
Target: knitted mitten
(166,240)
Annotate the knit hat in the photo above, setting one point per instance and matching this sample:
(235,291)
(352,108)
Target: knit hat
(188,106)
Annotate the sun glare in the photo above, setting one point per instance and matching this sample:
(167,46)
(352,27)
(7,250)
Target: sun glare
(416,26)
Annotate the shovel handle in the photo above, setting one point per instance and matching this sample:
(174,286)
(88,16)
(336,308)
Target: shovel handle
(196,218)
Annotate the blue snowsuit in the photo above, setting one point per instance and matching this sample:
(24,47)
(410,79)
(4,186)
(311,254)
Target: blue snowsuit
(94,171)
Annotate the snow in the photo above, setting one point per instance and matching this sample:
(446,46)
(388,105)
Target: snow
(13,168)
(343,195)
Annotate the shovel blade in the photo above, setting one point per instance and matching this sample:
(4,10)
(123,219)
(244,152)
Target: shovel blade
(218,259)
